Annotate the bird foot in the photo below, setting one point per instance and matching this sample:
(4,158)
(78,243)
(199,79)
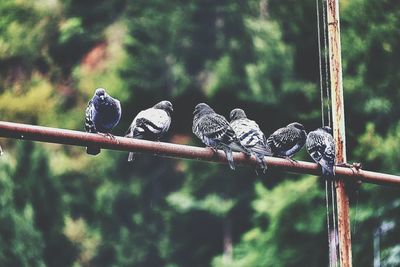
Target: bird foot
(214,150)
(248,153)
(293,161)
(109,136)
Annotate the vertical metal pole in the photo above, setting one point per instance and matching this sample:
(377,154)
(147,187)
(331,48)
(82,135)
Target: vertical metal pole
(335,66)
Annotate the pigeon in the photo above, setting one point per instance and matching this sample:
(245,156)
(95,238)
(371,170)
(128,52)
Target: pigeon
(321,147)
(102,114)
(215,132)
(250,136)
(150,124)
(287,141)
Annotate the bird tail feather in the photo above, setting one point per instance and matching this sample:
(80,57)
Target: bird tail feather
(229,157)
(327,170)
(131,157)
(93,150)
(237,146)
(262,150)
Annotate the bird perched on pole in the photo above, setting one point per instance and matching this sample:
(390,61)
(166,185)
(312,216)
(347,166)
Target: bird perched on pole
(250,136)
(287,141)
(215,132)
(102,114)
(321,147)
(151,124)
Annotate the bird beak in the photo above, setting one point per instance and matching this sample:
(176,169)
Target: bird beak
(102,97)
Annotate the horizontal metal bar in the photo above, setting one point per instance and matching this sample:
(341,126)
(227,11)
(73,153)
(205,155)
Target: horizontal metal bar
(77,138)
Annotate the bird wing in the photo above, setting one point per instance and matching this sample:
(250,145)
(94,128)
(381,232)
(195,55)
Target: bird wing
(158,119)
(251,136)
(213,126)
(89,116)
(119,109)
(154,122)
(132,131)
(315,146)
(283,139)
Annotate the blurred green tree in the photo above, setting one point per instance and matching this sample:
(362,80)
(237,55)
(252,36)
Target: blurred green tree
(63,208)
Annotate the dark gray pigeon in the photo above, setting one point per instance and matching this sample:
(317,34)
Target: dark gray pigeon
(102,114)
(321,147)
(287,141)
(250,136)
(151,124)
(215,132)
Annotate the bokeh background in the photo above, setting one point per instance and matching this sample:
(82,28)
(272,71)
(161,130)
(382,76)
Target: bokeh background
(61,207)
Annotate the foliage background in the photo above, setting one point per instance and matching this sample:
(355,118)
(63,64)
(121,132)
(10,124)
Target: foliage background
(60,207)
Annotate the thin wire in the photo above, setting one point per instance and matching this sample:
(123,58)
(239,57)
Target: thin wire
(327,222)
(334,214)
(326,61)
(355,216)
(320,66)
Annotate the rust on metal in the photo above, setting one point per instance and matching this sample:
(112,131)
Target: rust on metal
(343,224)
(77,138)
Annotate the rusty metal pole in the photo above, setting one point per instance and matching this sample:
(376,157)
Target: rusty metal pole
(335,66)
(77,138)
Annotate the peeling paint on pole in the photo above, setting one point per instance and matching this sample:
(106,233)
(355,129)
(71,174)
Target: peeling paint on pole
(339,132)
